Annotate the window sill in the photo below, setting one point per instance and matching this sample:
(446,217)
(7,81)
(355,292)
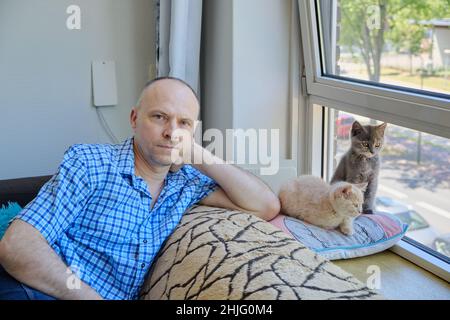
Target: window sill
(422,259)
(400,278)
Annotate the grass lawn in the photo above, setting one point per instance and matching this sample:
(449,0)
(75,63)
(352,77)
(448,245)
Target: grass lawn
(437,83)
(400,78)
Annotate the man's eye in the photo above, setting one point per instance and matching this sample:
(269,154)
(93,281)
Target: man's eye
(186,123)
(158,116)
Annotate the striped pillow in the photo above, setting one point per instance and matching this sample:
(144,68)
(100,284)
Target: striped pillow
(373,233)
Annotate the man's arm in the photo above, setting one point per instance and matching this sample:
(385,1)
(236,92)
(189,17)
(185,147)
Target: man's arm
(238,190)
(26,250)
(26,255)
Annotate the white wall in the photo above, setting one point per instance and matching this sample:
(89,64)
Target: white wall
(249,75)
(261,66)
(45,76)
(217,64)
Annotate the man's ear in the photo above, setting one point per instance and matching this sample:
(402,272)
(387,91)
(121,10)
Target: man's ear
(133,117)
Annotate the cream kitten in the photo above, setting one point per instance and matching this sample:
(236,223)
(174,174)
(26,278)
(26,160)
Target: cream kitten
(311,199)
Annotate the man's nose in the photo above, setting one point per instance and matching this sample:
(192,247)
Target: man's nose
(169,129)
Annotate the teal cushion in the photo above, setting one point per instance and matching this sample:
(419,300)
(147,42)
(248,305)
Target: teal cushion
(7,214)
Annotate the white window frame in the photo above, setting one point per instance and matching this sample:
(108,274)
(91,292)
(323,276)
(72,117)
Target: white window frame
(417,111)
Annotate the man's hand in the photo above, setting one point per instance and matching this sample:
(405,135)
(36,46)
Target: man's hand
(239,190)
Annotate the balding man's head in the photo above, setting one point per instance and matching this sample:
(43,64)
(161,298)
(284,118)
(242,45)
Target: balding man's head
(165,105)
(171,83)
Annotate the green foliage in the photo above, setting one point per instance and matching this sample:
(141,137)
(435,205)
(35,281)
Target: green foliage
(399,27)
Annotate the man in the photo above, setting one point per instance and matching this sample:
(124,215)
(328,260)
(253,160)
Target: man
(94,229)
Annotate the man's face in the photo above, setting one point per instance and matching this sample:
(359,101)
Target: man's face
(167,105)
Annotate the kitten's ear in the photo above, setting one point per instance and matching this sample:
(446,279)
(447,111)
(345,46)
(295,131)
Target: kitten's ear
(381,128)
(345,191)
(362,186)
(356,128)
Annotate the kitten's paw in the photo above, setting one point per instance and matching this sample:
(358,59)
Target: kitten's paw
(347,230)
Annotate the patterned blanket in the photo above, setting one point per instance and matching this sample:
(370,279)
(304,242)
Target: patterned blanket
(221,254)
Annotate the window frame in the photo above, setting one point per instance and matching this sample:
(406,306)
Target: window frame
(414,110)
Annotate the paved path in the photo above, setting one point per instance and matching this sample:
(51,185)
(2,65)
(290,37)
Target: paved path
(434,206)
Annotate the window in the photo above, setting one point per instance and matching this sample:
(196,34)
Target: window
(397,43)
(414,180)
(360,63)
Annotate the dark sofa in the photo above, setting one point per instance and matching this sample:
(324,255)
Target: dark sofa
(21,190)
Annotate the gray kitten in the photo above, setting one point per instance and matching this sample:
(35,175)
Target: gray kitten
(362,162)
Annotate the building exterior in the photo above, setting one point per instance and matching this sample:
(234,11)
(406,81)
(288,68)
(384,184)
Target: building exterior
(441,42)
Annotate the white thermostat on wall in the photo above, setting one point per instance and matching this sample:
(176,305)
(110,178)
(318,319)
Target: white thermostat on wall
(104,86)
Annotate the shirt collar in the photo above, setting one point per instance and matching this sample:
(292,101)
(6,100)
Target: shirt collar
(126,167)
(126,157)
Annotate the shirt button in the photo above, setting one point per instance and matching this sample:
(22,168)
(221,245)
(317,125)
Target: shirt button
(143,265)
(145,241)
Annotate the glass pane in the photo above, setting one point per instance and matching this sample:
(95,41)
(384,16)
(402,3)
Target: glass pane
(403,43)
(414,180)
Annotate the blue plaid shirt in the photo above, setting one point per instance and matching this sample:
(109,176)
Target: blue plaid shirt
(95,213)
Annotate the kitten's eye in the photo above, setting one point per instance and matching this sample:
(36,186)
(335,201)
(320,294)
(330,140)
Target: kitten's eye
(365,144)
(377,145)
